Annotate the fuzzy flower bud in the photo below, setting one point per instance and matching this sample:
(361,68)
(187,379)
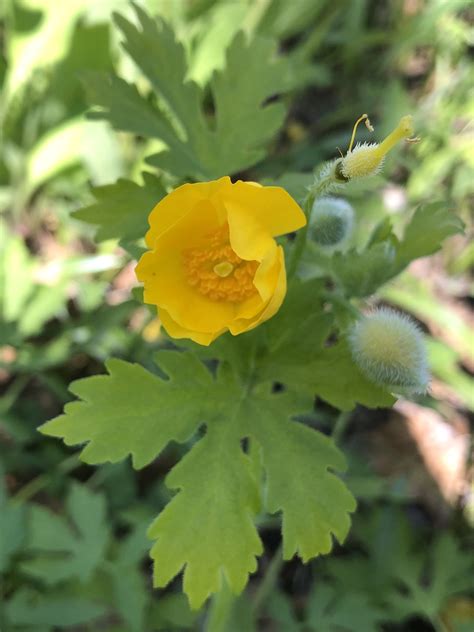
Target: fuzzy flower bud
(389,349)
(367,159)
(331,220)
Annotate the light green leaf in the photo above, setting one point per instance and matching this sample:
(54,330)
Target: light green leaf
(314,503)
(55,152)
(195,147)
(132,411)
(121,210)
(428,228)
(60,552)
(207,527)
(45,303)
(216,33)
(16,277)
(42,46)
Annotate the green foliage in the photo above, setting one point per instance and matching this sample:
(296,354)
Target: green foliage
(74,572)
(361,272)
(218,495)
(76,563)
(29,608)
(114,406)
(18,290)
(327,371)
(216,476)
(61,551)
(195,148)
(451,572)
(121,210)
(428,228)
(329,611)
(12,528)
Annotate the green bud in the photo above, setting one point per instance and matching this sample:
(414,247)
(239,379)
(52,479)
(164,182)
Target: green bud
(389,349)
(332,220)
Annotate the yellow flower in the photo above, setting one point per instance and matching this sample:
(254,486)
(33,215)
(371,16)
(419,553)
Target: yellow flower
(367,159)
(213,263)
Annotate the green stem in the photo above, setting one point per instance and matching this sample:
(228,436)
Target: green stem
(340,426)
(40,482)
(302,237)
(267,585)
(220,610)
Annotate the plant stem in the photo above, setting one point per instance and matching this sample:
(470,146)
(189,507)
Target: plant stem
(36,484)
(268,582)
(340,426)
(220,610)
(316,191)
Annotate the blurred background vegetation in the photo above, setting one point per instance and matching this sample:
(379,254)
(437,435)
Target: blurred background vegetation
(72,538)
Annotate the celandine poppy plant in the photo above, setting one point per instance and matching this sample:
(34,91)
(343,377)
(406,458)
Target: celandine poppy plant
(213,263)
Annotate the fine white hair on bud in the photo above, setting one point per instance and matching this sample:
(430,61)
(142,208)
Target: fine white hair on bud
(389,349)
(364,160)
(332,220)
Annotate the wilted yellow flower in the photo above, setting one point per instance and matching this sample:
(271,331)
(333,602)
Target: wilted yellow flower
(367,159)
(213,263)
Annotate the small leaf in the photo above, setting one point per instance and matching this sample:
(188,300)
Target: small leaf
(28,607)
(429,227)
(60,552)
(121,210)
(331,611)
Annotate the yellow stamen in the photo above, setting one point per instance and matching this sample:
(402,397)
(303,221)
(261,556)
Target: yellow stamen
(217,272)
(223,269)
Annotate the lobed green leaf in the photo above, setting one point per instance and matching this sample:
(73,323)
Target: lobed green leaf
(121,210)
(132,411)
(196,147)
(207,527)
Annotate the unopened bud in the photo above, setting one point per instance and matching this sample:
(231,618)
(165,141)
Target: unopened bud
(332,221)
(389,349)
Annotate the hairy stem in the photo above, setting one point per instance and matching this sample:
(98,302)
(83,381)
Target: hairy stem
(320,187)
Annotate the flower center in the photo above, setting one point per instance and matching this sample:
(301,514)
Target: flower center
(217,272)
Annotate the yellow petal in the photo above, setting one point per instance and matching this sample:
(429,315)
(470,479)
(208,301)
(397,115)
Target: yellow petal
(272,207)
(271,307)
(180,202)
(177,331)
(249,238)
(166,284)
